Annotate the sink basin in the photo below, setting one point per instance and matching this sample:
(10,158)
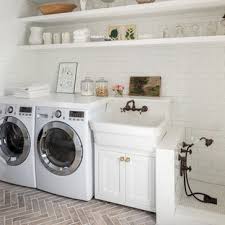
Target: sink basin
(132,129)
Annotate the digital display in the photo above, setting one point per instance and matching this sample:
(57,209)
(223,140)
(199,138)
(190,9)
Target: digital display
(25,109)
(76,114)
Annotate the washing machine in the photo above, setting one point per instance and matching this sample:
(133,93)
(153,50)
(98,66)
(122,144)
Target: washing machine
(17,163)
(64,154)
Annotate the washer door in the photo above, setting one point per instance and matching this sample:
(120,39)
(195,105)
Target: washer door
(60,148)
(14,141)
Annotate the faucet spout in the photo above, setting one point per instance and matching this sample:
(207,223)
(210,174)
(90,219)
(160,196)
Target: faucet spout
(133,108)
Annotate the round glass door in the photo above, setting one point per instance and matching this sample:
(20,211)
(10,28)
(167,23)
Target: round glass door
(14,141)
(60,148)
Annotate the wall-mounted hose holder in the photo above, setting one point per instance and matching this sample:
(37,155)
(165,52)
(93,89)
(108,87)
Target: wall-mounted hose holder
(184,169)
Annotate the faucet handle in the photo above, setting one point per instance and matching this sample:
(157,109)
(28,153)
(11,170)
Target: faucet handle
(143,109)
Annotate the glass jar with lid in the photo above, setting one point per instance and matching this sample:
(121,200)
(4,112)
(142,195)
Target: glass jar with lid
(102,87)
(87,87)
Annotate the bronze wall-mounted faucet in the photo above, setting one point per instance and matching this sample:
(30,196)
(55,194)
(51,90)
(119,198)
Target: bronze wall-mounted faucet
(133,107)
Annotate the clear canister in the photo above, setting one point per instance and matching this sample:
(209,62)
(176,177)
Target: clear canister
(87,87)
(102,88)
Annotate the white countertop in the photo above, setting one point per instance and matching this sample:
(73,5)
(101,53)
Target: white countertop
(173,137)
(56,100)
(70,100)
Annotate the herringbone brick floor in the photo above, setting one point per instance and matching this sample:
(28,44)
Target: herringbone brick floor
(25,206)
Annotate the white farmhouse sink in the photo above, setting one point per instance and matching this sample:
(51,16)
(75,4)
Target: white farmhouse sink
(132,130)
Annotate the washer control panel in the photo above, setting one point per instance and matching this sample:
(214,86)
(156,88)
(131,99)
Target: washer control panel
(25,111)
(16,110)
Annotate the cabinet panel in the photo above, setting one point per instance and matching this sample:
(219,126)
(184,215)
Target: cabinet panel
(140,182)
(111,176)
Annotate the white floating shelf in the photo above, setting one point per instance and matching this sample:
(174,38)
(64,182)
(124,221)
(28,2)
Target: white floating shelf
(151,9)
(215,40)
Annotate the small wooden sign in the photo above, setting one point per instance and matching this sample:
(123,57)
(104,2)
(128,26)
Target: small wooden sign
(145,86)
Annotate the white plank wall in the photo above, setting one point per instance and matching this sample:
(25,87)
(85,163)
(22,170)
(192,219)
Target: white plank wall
(194,76)
(15,66)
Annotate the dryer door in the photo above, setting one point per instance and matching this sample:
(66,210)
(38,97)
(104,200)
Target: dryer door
(14,141)
(59,148)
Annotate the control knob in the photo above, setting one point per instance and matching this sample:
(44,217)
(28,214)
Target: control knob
(10,109)
(58,114)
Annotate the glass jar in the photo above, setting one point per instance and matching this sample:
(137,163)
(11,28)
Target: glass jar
(87,87)
(179,31)
(102,88)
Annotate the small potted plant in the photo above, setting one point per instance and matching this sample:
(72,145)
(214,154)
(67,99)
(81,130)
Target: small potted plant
(118,90)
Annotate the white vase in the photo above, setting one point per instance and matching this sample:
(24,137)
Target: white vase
(36,36)
(83,5)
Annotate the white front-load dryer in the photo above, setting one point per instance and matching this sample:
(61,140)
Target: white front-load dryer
(64,157)
(17,163)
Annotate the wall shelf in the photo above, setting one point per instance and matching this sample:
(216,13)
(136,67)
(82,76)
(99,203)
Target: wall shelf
(152,9)
(212,40)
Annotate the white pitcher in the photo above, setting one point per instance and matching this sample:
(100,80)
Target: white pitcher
(36,34)
(83,5)
(47,37)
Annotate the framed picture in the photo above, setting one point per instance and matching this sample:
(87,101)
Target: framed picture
(122,32)
(67,77)
(115,32)
(129,32)
(145,86)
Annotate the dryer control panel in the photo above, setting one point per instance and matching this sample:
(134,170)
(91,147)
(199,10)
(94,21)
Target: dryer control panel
(76,114)
(60,114)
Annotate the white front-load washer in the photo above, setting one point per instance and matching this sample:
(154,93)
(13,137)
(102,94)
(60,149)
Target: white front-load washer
(64,156)
(17,163)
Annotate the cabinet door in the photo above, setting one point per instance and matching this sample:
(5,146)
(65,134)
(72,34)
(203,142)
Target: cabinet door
(140,182)
(111,176)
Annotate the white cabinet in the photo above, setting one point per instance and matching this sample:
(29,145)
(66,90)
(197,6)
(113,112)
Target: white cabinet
(140,181)
(124,178)
(111,176)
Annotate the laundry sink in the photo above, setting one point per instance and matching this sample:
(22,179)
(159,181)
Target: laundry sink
(132,129)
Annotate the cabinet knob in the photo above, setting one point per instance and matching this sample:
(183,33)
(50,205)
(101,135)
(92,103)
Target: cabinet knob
(122,159)
(127,159)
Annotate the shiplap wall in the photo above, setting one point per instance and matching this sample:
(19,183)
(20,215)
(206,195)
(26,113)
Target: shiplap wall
(193,76)
(15,66)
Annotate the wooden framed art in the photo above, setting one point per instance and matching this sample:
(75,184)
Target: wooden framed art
(145,86)
(67,77)
(115,32)
(129,32)
(122,32)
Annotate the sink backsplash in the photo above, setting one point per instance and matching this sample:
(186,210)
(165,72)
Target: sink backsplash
(156,106)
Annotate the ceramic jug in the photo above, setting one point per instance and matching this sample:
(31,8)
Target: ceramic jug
(36,36)
(47,37)
(83,5)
